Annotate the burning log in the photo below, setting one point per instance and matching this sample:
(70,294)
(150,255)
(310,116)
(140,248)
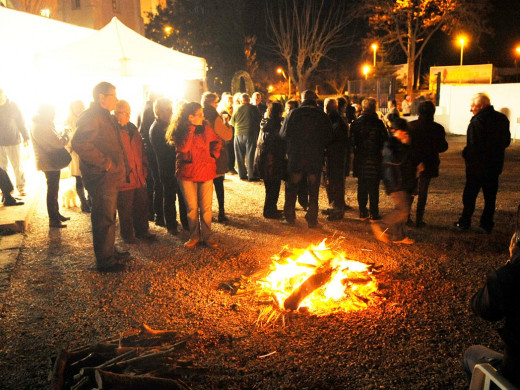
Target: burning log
(322,275)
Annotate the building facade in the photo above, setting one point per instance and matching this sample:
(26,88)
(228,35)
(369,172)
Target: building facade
(86,13)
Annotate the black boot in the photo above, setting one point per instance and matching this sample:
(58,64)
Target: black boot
(222,216)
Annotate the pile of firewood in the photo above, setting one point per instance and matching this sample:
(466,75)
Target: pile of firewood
(137,360)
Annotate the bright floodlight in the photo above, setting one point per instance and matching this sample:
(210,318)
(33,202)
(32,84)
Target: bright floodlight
(374,46)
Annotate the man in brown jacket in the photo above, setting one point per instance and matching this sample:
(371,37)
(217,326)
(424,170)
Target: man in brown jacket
(104,168)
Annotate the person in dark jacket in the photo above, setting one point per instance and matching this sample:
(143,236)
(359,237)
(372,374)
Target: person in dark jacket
(12,126)
(428,140)
(154,186)
(132,199)
(306,131)
(487,138)
(47,142)
(270,162)
(399,177)
(303,191)
(165,156)
(104,168)
(225,132)
(335,157)
(368,135)
(498,300)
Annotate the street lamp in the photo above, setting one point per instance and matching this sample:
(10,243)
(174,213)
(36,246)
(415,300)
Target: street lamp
(270,88)
(280,71)
(366,69)
(374,47)
(517,54)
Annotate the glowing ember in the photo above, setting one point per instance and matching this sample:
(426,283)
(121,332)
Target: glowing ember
(320,280)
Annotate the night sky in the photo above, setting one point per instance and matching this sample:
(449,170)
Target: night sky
(442,49)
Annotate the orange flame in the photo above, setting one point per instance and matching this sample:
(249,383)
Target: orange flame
(351,285)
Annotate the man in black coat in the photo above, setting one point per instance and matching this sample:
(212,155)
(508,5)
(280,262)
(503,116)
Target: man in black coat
(500,299)
(487,138)
(154,185)
(306,131)
(428,140)
(368,135)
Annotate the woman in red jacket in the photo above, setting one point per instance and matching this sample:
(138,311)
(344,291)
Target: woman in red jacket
(197,148)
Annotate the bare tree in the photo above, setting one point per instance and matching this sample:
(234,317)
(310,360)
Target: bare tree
(412,23)
(305,31)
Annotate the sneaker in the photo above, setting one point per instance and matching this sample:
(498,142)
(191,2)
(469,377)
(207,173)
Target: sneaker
(405,241)
(375,217)
(191,243)
(10,201)
(211,243)
(379,233)
(460,227)
(56,223)
(363,216)
(63,218)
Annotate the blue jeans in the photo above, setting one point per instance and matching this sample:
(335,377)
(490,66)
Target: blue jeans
(245,148)
(198,197)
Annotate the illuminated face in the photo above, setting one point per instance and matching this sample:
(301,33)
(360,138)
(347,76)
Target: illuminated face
(197,119)
(476,106)
(122,114)
(109,100)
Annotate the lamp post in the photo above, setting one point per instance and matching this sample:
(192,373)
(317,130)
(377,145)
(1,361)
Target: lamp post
(366,69)
(517,54)
(280,71)
(462,40)
(374,48)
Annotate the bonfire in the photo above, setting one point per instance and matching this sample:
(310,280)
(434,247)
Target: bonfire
(319,280)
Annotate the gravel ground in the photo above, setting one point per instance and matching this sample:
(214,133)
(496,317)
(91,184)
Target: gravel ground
(413,338)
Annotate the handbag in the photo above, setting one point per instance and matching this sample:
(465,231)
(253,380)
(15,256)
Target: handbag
(60,158)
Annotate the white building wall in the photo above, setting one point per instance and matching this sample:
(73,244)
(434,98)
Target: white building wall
(455,100)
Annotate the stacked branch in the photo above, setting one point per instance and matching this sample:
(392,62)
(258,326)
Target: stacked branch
(144,359)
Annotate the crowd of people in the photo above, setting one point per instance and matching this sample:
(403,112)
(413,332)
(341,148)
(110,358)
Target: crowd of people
(178,153)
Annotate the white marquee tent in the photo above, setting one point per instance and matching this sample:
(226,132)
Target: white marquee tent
(117,50)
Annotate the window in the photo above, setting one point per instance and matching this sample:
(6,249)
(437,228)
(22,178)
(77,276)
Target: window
(76,4)
(115,5)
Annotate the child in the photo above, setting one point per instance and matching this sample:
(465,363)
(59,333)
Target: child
(399,176)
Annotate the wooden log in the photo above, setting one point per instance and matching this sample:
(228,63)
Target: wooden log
(109,380)
(151,356)
(57,375)
(316,280)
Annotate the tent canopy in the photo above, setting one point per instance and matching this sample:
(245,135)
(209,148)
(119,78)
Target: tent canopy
(23,35)
(117,50)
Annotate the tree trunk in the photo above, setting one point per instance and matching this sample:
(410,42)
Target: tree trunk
(411,60)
